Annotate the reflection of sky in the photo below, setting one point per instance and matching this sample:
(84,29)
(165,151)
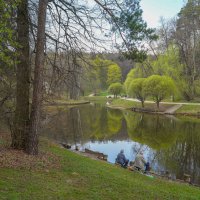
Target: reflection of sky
(113,148)
(130,148)
(61,128)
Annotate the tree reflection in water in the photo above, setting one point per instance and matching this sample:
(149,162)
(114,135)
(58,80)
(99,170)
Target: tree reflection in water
(168,143)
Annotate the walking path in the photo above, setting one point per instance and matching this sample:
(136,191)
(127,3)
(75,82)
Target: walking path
(173,109)
(173,103)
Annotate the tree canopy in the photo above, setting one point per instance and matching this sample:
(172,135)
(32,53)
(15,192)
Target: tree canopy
(115,89)
(159,87)
(136,89)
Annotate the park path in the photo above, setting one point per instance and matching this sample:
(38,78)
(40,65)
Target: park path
(173,103)
(173,109)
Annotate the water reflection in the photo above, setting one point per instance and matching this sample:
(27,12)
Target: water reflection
(156,131)
(168,143)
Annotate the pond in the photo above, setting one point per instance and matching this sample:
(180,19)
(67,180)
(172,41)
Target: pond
(169,143)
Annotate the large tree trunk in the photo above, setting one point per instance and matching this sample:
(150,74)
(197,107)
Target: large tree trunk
(21,120)
(74,83)
(32,143)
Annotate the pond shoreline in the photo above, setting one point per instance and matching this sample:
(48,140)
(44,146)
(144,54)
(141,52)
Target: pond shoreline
(107,130)
(155,112)
(78,175)
(185,109)
(151,173)
(67,103)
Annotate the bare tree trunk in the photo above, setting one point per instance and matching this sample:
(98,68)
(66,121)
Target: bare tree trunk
(21,119)
(158,104)
(32,144)
(142,101)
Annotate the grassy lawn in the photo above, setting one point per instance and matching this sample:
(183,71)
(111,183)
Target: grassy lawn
(103,93)
(126,104)
(82,178)
(69,102)
(189,109)
(95,98)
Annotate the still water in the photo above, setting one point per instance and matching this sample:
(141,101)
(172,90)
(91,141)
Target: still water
(169,143)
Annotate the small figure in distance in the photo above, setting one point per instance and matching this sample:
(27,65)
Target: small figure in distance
(140,163)
(121,159)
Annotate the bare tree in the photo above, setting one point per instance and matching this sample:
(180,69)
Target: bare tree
(73,27)
(32,142)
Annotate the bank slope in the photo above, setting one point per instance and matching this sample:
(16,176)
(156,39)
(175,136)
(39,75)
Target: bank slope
(86,179)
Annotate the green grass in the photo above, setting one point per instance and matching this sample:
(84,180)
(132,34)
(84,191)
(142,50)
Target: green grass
(126,104)
(69,102)
(82,178)
(189,109)
(95,98)
(103,93)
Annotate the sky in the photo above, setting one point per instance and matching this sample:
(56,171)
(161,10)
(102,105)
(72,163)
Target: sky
(154,9)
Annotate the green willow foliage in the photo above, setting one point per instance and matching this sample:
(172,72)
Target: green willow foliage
(115,89)
(7,31)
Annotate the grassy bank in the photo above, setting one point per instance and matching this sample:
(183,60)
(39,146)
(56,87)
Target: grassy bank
(95,98)
(78,177)
(67,102)
(192,109)
(126,104)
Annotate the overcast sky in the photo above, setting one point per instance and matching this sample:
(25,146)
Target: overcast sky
(154,9)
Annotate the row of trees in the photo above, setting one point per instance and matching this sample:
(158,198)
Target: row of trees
(176,53)
(155,86)
(101,72)
(158,87)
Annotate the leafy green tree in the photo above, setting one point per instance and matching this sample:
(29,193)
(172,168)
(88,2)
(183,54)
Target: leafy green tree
(159,87)
(169,64)
(136,89)
(141,70)
(7,31)
(129,78)
(114,74)
(101,67)
(187,37)
(115,89)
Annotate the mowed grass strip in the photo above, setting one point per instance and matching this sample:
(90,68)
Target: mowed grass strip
(127,104)
(193,109)
(86,179)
